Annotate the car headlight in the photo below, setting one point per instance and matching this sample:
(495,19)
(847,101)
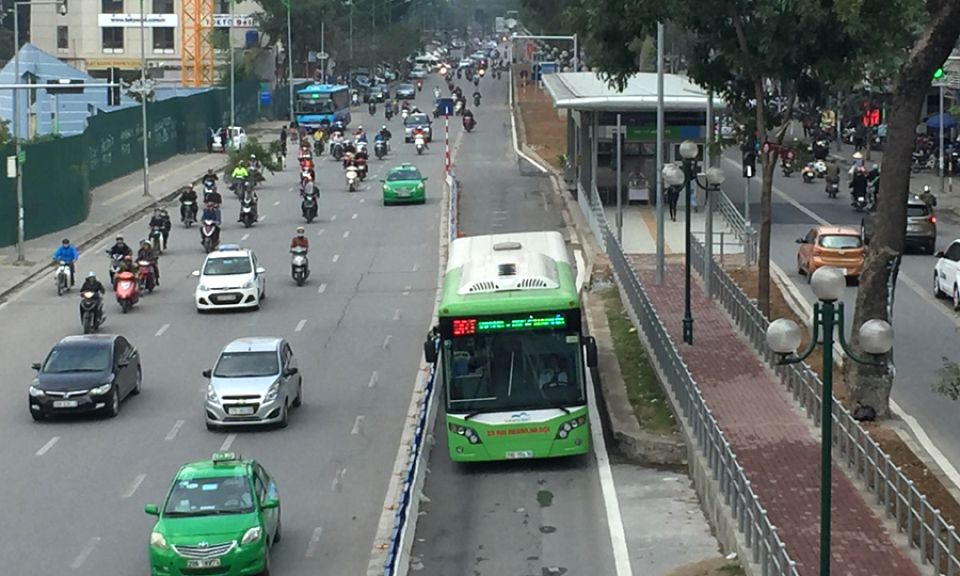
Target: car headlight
(469,433)
(273,392)
(202,287)
(36,392)
(249,283)
(157,540)
(251,535)
(212,394)
(102,389)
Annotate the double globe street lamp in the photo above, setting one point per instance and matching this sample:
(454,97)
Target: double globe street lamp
(783,337)
(686,176)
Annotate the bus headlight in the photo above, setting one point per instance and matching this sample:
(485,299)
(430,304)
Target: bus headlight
(569,426)
(469,433)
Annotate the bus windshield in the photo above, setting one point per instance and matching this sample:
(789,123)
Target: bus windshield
(322,105)
(508,371)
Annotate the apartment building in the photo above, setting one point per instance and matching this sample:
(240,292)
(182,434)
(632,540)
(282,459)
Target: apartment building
(97,35)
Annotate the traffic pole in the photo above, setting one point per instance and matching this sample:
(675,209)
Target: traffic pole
(446,143)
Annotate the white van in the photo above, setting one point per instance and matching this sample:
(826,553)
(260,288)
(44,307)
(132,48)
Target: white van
(429,62)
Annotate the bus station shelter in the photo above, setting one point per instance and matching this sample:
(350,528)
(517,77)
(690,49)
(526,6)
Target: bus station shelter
(592,106)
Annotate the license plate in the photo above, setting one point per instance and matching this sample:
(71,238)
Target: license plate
(913,228)
(240,411)
(65,403)
(518,454)
(227,298)
(403,193)
(205,563)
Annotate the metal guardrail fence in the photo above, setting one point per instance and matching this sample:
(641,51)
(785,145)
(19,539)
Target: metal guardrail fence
(921,523)
(761,536)
(398,547)
(746,234)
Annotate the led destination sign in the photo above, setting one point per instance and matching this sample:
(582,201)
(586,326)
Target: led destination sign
(472,326)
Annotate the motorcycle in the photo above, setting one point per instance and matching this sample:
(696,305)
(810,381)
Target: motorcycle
(860,203)
(419,85)
(248,210)
(833,190)
(299,266)
(404,113)
(209,234)
(361,164)
(308,207)
(145,275)
(336,150)
(156,238)
(808,174)
(476,100)
(372,109)
(115,261)
(353,178)
(63,277)
(127,290)
(189,210)
(469,123)
(91,311)
(380,149)
(318,147)
(388,112)
(787,167)
(419,143)
(820,168)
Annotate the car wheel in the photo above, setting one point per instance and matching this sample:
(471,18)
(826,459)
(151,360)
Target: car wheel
(298,401)
(937,292)
(284,417)
(956,297)
(932,247)
(138,385)
(113,407)
(279,534)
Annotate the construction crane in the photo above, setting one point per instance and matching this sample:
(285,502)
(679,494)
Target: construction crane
(196,41)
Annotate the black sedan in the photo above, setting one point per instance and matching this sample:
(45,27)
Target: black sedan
(91,373)
(406,92)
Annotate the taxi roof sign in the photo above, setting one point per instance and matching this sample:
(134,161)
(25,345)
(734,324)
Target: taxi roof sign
(225,457)
(229,248)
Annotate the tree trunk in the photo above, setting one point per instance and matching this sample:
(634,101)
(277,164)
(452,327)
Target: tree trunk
(768,163)
(870,385)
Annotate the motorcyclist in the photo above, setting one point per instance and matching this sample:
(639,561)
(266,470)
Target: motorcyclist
(858,186)
(126,265)
(928,198)
(68,254)
(476,98)
(209,179)
(119,248)
(468,116)
(249,195)
(255,168)
(360,135)
(833,174)
(385,134)
(436,92)
(347,160)
(309,184)
(91,284)
(304,152)
(158,221)
(418,132)
(213,197)
(318,138)
(146,253)
(212,213)
(300,240)
(239,174)
(873,179)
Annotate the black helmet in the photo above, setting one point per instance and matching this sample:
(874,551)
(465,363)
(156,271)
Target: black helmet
(66,241)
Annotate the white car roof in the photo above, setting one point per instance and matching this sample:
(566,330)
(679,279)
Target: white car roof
(227,251)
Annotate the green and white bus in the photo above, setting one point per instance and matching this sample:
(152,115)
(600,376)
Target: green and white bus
(513,356)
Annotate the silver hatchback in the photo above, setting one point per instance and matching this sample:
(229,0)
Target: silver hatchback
(255,381)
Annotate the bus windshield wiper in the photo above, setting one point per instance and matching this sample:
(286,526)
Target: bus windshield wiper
(471,415)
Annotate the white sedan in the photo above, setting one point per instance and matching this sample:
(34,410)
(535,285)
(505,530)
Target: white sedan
(236,136)
(946,274)
(230,278)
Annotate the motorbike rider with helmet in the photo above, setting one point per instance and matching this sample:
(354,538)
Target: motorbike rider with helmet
(126,265)
(120,248)
(360,135)
(146,253)
(212,212)
(300,240)
(158,220)
(386,135)
(68,254)
(188,194)
(249,196)
(239,174)
(209,179)
(468,117)
(418,132)
(91,284)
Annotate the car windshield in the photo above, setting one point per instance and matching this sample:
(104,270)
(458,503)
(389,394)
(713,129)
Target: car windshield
(837,242)
(917,211)
(406,88)
(210,496)
(417,119)
(247,365)
(227,266)
(64,359)
(402,174)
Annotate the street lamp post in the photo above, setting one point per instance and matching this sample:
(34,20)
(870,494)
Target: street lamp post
(16,111)
(783,337)
(674,176)
(143,100)
(290,62)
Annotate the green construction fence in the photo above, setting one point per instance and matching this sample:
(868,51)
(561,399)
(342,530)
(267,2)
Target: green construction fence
(58,174)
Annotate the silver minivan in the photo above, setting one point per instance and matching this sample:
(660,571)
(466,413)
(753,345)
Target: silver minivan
(255,381)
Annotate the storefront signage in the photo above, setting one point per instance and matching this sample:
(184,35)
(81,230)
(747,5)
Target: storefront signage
(133,20)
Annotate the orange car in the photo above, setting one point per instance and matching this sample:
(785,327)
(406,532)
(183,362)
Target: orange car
(834,246)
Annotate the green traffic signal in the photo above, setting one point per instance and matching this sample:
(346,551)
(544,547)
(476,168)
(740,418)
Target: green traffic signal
(938,74)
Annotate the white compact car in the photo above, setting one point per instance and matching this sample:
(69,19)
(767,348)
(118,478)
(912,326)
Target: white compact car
(946,274)
(237,136)
(230,278)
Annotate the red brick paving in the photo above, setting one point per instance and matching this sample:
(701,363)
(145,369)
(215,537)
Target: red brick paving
(771,441)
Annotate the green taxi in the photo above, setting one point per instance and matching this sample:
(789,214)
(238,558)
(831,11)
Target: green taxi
(221,516)
(404,184)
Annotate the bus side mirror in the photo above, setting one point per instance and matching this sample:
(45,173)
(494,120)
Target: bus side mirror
(430,350)
(591,346)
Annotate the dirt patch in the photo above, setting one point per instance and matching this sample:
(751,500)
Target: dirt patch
(900,453)
(546,131)
(712,567)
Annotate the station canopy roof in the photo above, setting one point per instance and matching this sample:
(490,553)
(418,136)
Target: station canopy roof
(587,91)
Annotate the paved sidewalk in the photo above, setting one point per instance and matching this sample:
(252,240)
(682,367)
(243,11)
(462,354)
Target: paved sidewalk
(772,442)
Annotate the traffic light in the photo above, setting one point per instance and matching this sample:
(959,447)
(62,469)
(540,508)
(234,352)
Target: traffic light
(938,74)
(749,164)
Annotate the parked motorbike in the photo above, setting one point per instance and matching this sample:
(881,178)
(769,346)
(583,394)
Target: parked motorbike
(91,311)
(299,266)
(156,238)
(308,207)
(248,210)
(209,233)
(353,178)
(63,277)
(419,143)
(127,290)
(145,275)
(380,149)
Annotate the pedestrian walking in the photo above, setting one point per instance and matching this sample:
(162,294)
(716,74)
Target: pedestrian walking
(210,136)
(673,196)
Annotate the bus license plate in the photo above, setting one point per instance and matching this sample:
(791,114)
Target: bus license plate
(240,411)
(64,403)
(518,454)
(205,563)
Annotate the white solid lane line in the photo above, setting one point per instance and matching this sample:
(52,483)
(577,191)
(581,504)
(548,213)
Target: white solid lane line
(334,217)
(162,330)
(346,234)
(373,379)
(337,480)
(299,325)
(134,485)
(386,342)
(85,553)
(176,426)
(277,203)
(244,237)
(354,217)
(228,442)
(396,314)
(262,218)
(416,267)
(361,200)
(357,426)
(314,542)
(322,288)
(320,232)
(336,257)
(46,447)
